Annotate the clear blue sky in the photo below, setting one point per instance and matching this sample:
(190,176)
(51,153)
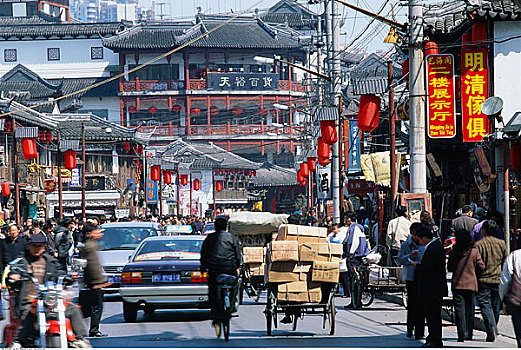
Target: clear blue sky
(354,23)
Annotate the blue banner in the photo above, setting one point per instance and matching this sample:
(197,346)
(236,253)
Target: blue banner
(353,162)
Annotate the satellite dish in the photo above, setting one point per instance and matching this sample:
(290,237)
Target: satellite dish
(492,106)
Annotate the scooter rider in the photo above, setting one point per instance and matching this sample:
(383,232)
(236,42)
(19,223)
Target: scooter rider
(44,268)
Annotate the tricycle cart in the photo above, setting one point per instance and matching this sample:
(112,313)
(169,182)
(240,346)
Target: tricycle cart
(253,285)
(296,310)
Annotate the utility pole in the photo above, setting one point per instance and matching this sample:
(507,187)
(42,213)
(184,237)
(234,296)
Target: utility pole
(15,174)
(418,164)
(392,132)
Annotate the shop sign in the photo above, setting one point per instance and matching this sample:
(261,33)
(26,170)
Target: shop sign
(242,81)
(361,187)
(151,190)
(441,96)
(49,185)
(474,91)
(323,179)
(353,147)
(402,110)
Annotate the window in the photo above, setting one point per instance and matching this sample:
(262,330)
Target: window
(10,55)
(53,54)
(156,72)
(96,53)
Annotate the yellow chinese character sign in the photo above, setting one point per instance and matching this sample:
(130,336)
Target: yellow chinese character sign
(441,96)
(474,91)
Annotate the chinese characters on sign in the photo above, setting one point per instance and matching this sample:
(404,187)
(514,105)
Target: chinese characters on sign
(352,148)
(441,96)
(474,91)
(151,190)
(242,81)
(323,185)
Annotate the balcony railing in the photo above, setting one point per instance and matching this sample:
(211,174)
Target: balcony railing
(173,130)
(231,195)
(168,85)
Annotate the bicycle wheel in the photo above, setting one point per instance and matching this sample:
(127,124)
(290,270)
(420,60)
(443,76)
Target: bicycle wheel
(331,314)
(367,298)
(269,316)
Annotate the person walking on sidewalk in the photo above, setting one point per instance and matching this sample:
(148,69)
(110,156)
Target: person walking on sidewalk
(466,264)
(510,291)
(493,251)
(397,233)
(464,222)
(432,284)
(411,252)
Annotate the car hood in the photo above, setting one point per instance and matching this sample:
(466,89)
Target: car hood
(114,257)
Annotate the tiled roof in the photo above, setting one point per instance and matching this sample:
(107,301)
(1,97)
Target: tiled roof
(241,33)
(270,175)
(27,117)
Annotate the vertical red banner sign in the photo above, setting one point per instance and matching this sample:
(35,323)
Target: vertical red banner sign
(441,96)
(474,91)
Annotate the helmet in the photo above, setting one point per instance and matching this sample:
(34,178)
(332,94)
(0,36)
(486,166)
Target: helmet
(449,244)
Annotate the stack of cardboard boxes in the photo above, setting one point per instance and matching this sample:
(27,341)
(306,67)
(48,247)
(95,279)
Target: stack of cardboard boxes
(299,261)
(255,258)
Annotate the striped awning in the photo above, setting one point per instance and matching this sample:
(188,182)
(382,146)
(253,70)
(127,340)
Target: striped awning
(326,113)
(370,86)
(70,144)
(26,132)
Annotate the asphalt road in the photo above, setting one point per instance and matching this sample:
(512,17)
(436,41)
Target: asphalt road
(380,325)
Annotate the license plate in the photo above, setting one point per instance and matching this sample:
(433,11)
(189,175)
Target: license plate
(166,277)
(115,279)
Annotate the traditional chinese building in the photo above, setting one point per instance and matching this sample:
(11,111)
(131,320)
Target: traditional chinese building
(212,89)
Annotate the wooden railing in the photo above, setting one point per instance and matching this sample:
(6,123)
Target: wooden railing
(175,130)
(166,85)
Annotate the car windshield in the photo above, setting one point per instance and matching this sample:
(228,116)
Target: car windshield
(124,238)
(175,249)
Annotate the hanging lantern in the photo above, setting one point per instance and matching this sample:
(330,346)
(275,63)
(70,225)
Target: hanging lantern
(132,109)
(249,172)
(184,179)
(197,185)
(328,131)
(6,189)
(262,110)
(195,111)
(69,159)
(222,171)
(177,108)
(140,149)
(29,149)
(8,126)
(300,178)
(227,171)
(218,186)
(368,112)
(304,170)
(214,110)
(254,173)
(405,71)
(152,109)
(479,33)
(237,110)
(155,173)
(312,163)
(233,171)
(323,161)
(126,146)
(167,177)
(303,183)
(322,149)
(216,171)
(515,157)
(431,48)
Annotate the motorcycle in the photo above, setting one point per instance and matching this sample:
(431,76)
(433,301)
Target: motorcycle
(49,304)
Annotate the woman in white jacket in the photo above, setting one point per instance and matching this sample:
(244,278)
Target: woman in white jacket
(510,290)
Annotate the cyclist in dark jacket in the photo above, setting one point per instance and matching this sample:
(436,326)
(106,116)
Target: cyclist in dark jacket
(220,254)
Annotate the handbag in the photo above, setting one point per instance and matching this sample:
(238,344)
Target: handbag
(343,265)
(86,302)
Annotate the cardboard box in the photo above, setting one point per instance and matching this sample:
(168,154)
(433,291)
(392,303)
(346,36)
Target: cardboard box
(283,251)
(253,255)
(302,234)
(302,291)
(257,269)
(283,272)
(325,272)
(320,252)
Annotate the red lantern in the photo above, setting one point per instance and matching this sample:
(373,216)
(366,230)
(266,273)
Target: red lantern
(405,71)
(368,112)
(140,149)
(328,131)
(323,161)
(304,183)
(515,157)
(479,33)
(254,172)
(218,186)
(216,171)
(304,170)
(300,178)
(132,109)
(227,171)
(184,179)
(249,172)
(237,110)
(8,126)
(322,149)
(233,171)
(152,109)
(312,163)
(155,173)
(167,177)
(29,149)
(195,111)
(197,185)
(262,111)
(431,48)
(222,171)
(126,146)
(214,110)
(6,189)
(177,108)
(69,159)
(273,111)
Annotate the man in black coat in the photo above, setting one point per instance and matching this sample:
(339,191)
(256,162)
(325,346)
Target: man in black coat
(14,244)
(432,282)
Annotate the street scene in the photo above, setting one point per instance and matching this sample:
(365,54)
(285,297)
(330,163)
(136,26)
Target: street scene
(260,173)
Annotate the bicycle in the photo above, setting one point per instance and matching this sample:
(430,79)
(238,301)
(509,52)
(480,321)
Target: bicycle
(225,289)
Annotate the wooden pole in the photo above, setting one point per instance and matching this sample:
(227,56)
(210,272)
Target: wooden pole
(392,133)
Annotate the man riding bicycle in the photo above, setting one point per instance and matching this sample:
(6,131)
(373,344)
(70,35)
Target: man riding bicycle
(355,247)
(220,254)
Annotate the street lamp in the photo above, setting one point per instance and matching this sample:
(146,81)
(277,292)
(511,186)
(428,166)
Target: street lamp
(267,60)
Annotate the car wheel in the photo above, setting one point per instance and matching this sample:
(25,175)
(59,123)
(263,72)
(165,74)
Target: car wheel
(129,312)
